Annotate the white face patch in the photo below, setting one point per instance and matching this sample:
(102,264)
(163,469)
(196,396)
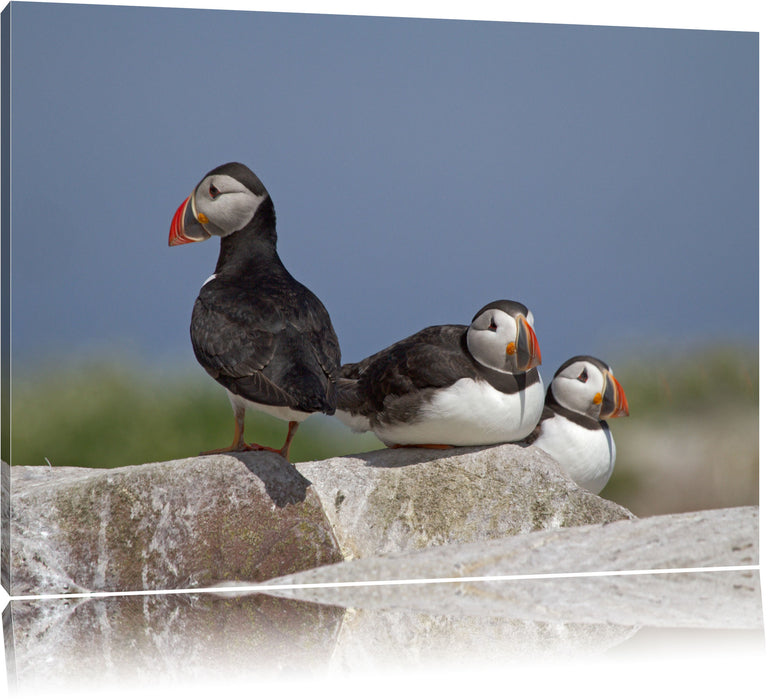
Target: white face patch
(576,386)
(488,337)
(209,279)
(224,205)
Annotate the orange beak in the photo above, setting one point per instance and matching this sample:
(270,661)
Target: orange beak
(185,227)
(614,403)
(529,355)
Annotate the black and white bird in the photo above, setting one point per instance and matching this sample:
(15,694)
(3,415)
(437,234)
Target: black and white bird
(254,328)
(572,429)
(450,385)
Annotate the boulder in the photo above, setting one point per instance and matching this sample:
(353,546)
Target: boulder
(192,522)
(411,498)
(394,560)
(476,607)
(170,525)
(133,642)
(657,572)
(79,645)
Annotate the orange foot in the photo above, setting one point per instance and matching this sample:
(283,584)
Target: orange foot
(234,447)
(239,445)
(247,447)
(254,446)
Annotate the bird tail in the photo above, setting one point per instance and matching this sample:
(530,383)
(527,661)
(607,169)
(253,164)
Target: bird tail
(348,394)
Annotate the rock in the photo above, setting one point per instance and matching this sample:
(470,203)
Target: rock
(394,639)
(454,626)
(459,579)
(464,516)
(55,645)
(411,498)
(192,522)
(179,524)
(137,641)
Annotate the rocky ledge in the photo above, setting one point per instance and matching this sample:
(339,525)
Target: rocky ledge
(395,559)
(195,522)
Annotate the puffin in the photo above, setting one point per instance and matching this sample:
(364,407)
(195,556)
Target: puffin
(258,332)
(572,429)
(450,385)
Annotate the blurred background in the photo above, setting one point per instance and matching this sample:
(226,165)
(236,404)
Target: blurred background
(606,177)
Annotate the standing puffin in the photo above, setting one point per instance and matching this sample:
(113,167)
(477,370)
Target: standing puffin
(450,385)
(254,328)
(572,428)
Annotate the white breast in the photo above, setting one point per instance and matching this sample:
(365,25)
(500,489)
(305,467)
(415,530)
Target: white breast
(470,413)
(587,456)
(282,412)
(359,424)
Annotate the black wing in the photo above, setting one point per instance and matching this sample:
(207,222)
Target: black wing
(271,346)
(433,358)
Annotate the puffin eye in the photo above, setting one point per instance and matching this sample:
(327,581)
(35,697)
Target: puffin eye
(583,376)
(214,191)
(492,326)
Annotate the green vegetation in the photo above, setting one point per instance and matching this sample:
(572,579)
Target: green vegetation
(713,379)
(692,439)
(107,416)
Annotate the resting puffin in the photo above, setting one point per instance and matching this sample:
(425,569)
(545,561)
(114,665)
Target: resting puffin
(572,428)
(450,385)
(254,328)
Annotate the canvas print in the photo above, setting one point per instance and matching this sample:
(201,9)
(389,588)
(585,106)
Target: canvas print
(337,344)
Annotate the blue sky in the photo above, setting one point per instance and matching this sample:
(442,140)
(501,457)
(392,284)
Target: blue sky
(606,177)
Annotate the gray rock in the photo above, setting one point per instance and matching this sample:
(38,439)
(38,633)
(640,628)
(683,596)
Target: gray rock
(192,522)
(170,525)
(192,638)
(479,519)
(56,645)
(412,498)
(392,639)
(458,579)
(76,645)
